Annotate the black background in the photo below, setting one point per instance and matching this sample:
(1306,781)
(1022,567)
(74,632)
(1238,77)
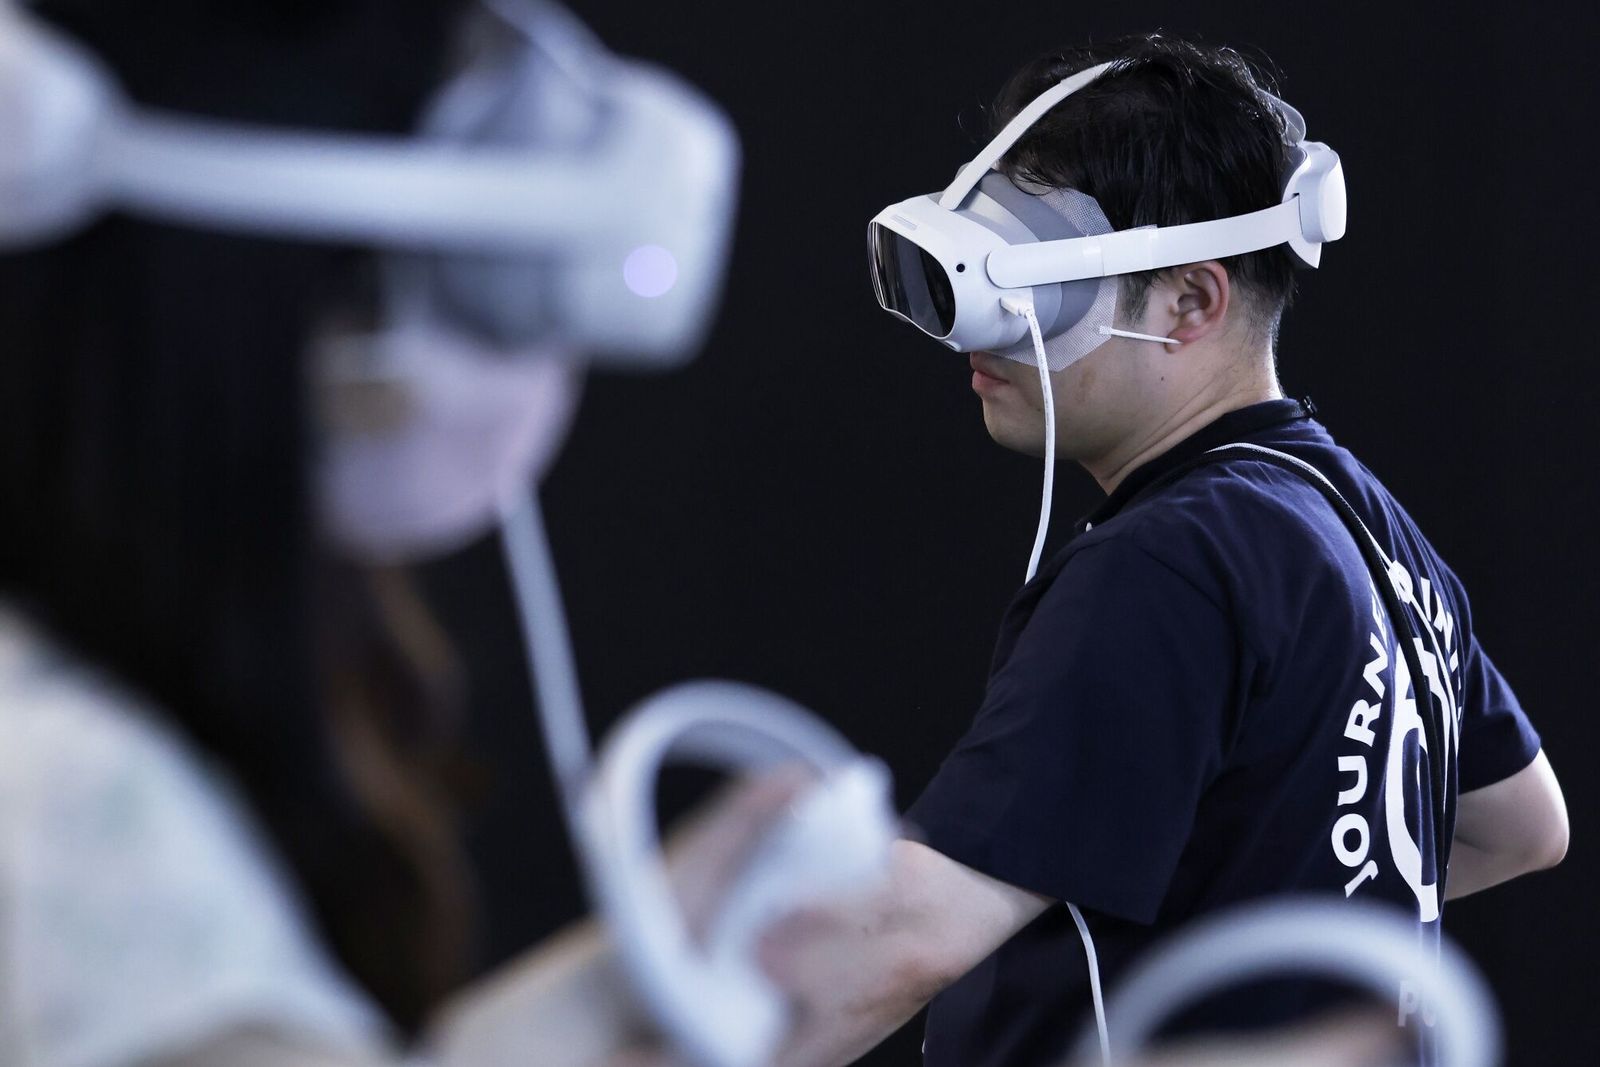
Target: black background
(814,504)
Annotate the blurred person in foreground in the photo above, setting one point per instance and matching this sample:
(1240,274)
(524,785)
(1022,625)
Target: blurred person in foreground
(229,772)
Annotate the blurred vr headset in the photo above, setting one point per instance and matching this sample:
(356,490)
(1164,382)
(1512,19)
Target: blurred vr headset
(554,193)
(945,262)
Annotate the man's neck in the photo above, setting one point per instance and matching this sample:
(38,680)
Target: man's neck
(1183,422)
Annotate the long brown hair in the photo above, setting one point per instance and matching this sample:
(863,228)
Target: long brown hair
(156,451)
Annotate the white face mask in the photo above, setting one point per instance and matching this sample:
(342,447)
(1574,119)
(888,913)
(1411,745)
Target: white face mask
(429,434)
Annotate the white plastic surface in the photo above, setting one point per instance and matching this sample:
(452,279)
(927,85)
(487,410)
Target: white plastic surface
(833,841)
(1151,248)
(1312,213)
(971,174)
(714,1003)
(1363,944)
(659,174)
(980,321)
(1317,185)
(52,107)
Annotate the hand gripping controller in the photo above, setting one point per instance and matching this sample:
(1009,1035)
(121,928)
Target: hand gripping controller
(713,1001)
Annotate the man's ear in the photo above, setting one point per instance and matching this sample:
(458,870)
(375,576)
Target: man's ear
(1197,298)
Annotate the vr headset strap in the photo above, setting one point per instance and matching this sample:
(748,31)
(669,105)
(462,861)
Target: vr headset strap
(1152,248)
(1407,633)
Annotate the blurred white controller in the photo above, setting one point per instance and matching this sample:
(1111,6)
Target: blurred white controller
(714,1002)
(834,841)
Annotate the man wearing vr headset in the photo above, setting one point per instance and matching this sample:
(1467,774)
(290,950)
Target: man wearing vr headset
(1202,698)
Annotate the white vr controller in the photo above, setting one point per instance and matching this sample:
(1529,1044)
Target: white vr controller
(712,999)
(1376,948)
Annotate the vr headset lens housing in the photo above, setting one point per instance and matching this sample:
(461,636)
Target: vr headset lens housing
(910,282)
(928,267)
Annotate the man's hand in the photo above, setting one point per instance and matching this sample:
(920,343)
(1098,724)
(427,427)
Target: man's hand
(858,970)
(569,1002)
(708,849)
(1506,829)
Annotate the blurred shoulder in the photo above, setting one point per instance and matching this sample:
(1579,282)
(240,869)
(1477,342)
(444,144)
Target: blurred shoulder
(143,908)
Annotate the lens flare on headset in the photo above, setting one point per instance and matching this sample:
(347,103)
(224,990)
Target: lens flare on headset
(650,271)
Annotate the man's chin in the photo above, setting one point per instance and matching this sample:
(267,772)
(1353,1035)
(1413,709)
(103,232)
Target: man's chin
(1028,440)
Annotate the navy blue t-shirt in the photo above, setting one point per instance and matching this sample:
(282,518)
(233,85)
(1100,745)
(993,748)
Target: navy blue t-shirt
(1192,705)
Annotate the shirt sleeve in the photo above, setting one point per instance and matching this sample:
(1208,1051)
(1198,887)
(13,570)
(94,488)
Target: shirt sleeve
(1497,740)
(1080,776)
(141,914)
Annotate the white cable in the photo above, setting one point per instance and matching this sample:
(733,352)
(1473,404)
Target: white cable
(1399,580)
(968,177)
(1112,331)
(1094,985)
(549,649)
(1022,304)
(1049,449)
(609,806)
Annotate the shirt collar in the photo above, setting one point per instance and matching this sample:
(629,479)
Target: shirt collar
(1232,426)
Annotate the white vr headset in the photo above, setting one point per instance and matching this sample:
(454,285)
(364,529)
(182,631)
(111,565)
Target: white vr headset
(554,193)
(946,262)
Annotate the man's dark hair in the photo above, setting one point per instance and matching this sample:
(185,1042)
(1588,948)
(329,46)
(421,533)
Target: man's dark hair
(1175,132)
